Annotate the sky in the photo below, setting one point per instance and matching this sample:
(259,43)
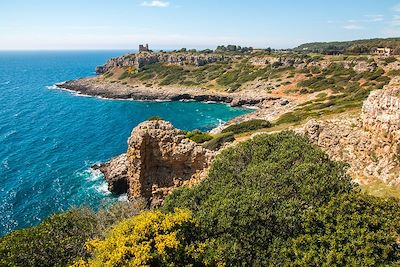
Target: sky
(172,24)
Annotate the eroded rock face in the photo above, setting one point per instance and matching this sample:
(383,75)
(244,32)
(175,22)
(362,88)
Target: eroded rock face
(369,144)
(159,159)
(140,60)
(116,173)
(381,111)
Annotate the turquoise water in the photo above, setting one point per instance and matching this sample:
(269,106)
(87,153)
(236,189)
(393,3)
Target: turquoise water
(49,138)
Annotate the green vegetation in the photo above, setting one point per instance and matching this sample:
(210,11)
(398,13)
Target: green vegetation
(275,200)
(108,74)
(252,202)
(247,126)
(350,230)
(394,73)
(389,60)
(155,118)
(219,140)
(232,49)
(151,238)
(61,238)
(231,76)
(57,241)
(199,136)
(345,84)
(350,47)
(124,75)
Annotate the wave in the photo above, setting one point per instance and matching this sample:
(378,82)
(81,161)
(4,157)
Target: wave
(220,122)
(5,83)
(102,189)
(4,163)
(123,198)
(250,107)
(8,134)
(52,87)
(96,180)
(55,86)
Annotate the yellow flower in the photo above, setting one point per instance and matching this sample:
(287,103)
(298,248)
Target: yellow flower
(151,236)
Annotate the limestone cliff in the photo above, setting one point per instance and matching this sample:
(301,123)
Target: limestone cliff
(159,159)
(369,144)
(141,60)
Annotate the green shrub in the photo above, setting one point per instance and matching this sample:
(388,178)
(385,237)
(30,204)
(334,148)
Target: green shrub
(219,140)
(151,238)
(247,126)
(108,74)
(60,239)
(252,202)
(389,60)
(394,73)
(350,230)
(56,242)
(198,136)
(155,118)
(124,75)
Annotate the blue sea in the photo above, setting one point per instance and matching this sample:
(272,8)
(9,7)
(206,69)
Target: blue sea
(49,138)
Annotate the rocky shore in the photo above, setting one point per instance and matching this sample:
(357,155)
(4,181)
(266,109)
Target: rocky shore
(266,106)
(96,86)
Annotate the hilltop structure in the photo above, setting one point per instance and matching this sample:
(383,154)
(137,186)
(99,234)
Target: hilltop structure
(144,48)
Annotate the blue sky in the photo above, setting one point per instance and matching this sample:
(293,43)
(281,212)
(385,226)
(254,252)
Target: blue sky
(167,24)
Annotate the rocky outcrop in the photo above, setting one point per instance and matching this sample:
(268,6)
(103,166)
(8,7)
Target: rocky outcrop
(159,159)
(116,173)
(141,60)
(364,66)
(369,144)
(281,61)
(381,111)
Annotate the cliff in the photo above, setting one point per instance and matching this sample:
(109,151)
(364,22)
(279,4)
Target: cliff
(140,60)
(369,144)
(159,159)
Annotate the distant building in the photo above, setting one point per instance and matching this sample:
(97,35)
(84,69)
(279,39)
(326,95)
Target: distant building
(144,48)
(382,51)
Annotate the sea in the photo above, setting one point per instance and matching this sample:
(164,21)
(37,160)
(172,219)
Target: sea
(49,138)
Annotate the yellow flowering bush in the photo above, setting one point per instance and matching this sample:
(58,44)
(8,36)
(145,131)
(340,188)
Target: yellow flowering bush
(152,238)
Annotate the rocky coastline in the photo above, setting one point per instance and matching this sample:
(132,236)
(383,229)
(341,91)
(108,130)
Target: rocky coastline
(95,86)
(159,158)
(265,106)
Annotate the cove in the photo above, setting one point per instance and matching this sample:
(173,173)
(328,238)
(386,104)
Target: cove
(49,138)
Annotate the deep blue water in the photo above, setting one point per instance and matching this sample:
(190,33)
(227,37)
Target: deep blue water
(49,138)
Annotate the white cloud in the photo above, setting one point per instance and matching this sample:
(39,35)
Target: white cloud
(396,8)
(352,27)
(155,3)
(375,18)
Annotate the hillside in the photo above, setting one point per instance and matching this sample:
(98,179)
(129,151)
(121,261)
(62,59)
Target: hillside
(306,85)
(352,47)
